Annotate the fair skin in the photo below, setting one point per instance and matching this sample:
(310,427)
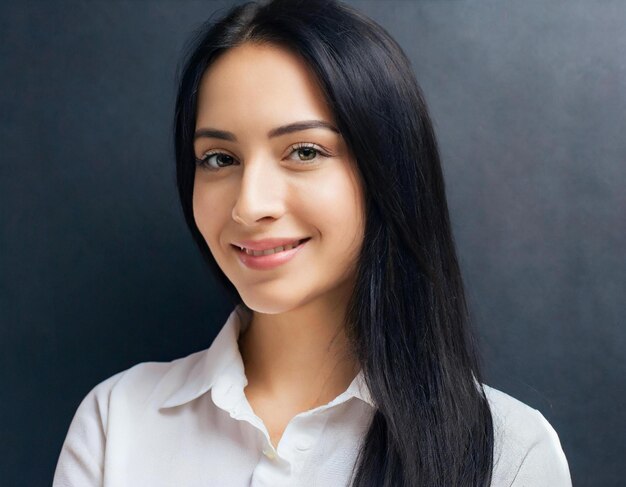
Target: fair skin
(295,351)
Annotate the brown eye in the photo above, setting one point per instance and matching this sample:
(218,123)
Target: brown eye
(307,154)
(215,160)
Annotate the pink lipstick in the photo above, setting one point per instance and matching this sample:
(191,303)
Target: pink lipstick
(268,253)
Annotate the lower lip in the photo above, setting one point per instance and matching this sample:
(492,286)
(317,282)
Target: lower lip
(264,262)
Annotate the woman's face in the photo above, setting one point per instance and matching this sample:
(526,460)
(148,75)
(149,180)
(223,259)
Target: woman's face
(274,167)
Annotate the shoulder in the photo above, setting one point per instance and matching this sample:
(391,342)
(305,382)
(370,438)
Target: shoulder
(516,420)
(81,461)
(527,449)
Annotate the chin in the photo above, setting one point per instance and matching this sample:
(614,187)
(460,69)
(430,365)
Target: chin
(268,303)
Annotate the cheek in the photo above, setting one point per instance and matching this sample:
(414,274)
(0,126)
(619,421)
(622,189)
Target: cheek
(336,205)
(350,223)
(208,215)
(199,207)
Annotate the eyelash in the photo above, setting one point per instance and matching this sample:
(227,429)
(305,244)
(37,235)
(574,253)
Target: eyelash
(203,161)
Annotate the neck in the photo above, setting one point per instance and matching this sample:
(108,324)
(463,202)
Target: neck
(301,357)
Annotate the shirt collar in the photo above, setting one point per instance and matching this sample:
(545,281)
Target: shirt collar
(222,362)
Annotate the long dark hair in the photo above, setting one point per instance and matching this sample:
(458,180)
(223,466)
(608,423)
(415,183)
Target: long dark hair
(407,318)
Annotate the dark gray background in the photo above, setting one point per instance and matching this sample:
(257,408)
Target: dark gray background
(98,271)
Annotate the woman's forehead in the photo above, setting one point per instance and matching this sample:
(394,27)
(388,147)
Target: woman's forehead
(261,82)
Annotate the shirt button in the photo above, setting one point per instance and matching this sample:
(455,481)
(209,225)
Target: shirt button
(269,453)
(303,444)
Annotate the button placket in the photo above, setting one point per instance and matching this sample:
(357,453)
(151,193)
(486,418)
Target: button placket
(302,432)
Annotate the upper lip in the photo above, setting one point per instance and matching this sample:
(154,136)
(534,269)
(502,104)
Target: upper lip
(267,243)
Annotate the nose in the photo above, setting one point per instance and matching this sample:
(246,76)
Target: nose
(260,195)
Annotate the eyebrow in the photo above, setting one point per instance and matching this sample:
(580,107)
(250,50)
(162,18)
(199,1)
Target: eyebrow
(275,132)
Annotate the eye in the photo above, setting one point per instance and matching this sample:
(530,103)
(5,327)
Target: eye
(305,152)
(215,160)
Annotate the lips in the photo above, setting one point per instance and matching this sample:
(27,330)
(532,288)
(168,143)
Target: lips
(272,255)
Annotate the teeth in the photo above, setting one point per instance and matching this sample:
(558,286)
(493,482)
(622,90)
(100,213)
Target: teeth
(271,251)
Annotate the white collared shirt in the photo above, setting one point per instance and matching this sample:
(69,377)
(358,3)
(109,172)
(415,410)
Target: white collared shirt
(188,423)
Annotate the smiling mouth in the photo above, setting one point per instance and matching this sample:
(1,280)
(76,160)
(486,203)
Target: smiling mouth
(275,250)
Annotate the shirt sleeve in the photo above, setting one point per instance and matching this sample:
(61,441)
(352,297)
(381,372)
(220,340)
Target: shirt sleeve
(544,464)
(81,461)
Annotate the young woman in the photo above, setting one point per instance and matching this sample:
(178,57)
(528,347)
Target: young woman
(310,178)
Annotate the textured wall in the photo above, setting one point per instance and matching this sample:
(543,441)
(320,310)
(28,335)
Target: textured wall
(98,272)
